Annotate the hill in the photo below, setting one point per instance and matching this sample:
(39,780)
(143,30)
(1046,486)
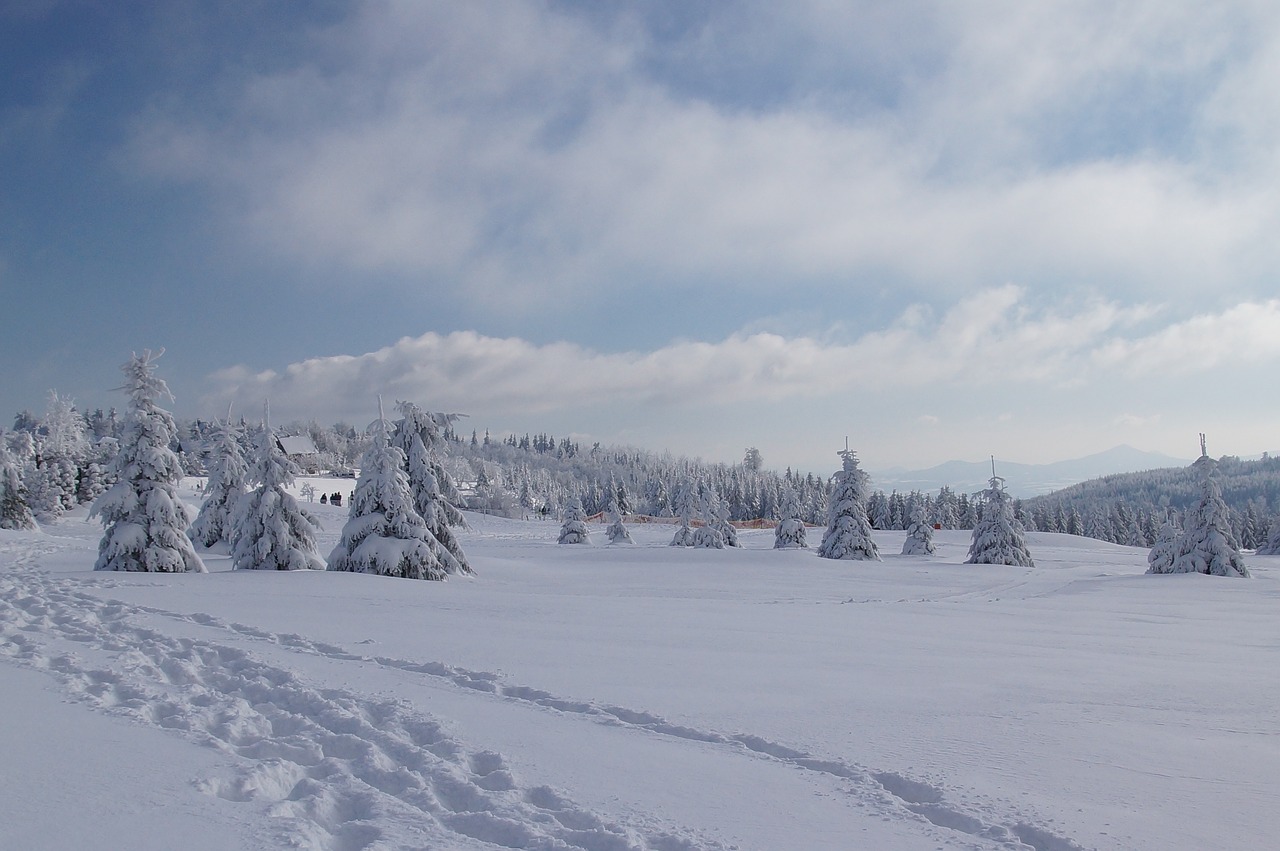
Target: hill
(1023,480)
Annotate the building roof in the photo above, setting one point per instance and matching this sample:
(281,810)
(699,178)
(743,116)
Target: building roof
(299,444)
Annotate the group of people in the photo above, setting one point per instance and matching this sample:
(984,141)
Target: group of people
(331,498)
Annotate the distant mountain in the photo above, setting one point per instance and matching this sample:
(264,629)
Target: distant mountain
(1022,480)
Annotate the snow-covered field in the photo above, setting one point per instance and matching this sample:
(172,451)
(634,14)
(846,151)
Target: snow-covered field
(638,697)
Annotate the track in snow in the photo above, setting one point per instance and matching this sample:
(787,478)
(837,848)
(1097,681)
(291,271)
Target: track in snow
(331,759)
(336,770)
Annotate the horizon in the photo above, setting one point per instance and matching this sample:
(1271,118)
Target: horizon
(946,232)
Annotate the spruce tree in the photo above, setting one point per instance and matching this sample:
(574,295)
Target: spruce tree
(146,523)
(848,534)
(1165,549)
(919,540)
(228,474)
(419,437)
(998,536)
(684,503)
(574,530)
(1207,544)
(1272,545)
(789,534)
(14,511)
(718,517)
(617,530)
(271,530)
(384,534)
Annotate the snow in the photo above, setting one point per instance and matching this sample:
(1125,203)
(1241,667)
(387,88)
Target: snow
(638,697)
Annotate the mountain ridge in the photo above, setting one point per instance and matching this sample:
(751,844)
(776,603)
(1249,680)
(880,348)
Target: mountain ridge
(1023,480)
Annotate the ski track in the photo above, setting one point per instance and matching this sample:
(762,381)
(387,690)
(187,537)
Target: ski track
(336,765)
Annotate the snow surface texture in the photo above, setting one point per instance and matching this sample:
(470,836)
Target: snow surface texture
(918,703)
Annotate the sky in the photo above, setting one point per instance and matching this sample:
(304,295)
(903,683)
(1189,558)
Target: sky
(941,230)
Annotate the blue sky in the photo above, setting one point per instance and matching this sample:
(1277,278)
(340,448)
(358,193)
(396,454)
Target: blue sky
(944,230)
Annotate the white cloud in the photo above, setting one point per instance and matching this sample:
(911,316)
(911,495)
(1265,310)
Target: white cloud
(994,338)
(527,157)
(1247,334)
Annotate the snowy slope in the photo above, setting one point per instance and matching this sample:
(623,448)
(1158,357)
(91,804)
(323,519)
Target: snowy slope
(638,697)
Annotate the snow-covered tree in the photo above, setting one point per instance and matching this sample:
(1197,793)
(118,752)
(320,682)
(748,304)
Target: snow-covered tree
(228,475)
(1207,544)
(63,450)
(574,530)
(717,515)
(708,535)
(271,530)
(1165,549)
(419,437)
(1272,545)
(789,534)
(384,534)
(848,534)
(617,530)
(998,537)
(14,512)
(684,502)
(919,535)
(146,523)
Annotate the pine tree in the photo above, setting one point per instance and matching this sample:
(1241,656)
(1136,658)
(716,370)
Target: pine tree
(574,530)
(228,475)
(1207,544)
(436,498)
(384,534)
(146,522)
(14,511)
(789,534)
(919,535)
(848,534)
(271,531)
(998,537)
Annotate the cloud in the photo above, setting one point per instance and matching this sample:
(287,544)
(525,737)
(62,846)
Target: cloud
(1248,333)
(526,155)
(995,338)
(1137,420)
